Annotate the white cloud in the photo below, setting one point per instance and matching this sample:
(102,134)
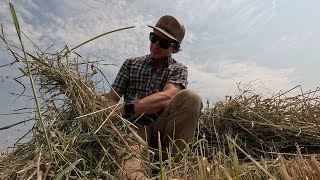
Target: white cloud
(229,74)
(80,23)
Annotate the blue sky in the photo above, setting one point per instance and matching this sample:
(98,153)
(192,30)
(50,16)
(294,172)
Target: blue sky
(274,43)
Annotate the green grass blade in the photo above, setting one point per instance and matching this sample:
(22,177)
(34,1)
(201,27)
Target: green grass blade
(100,36)
(67,169)
(160,158)
(15,20)
(91,168)
(17,26)
(23,71)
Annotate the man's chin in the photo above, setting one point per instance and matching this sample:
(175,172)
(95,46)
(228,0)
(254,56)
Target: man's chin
(155,56)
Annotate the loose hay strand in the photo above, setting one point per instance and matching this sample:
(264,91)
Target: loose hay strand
(17,26)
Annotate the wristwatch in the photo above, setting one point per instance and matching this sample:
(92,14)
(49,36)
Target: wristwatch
(128,110)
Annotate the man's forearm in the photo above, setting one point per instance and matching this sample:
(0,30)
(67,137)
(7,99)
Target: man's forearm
(151,104)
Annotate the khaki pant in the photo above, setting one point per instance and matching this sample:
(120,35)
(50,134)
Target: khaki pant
(177,122)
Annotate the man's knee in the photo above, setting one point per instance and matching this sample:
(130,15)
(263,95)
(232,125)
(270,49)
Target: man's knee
(191,97)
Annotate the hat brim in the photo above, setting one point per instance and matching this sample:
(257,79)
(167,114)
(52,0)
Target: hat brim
(164,32)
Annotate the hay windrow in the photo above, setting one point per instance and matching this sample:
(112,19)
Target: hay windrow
(281,123)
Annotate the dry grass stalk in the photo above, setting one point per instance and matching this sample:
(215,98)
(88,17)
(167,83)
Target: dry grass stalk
(283,171)
(315,165)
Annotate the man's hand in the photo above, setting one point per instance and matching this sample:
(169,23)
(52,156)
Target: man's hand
(105,102)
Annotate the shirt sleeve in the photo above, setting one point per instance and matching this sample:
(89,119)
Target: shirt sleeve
(121,81)
(180,76)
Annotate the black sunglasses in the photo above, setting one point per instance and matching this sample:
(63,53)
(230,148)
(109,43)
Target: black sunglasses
(164,43)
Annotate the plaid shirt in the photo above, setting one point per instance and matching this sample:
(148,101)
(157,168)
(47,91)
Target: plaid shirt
(135,79)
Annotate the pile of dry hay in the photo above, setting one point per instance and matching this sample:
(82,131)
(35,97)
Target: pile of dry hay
(284,123)
(83,139)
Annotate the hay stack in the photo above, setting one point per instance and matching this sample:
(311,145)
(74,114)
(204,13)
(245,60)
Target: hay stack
(282,123)
(84,138)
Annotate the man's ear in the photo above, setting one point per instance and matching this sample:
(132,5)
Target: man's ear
(175,48)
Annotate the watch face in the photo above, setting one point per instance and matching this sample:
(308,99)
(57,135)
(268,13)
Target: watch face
(129,109)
